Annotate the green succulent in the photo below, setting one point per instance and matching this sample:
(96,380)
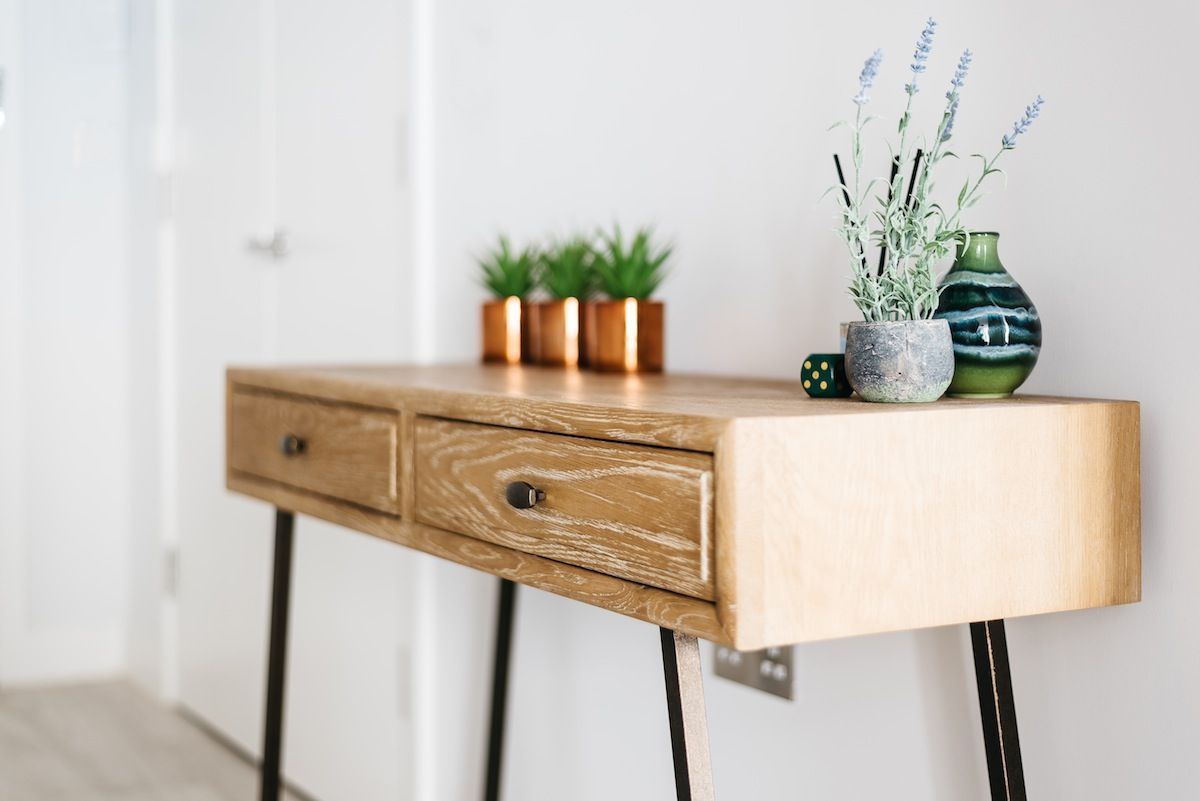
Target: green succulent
(635,271)
(507,272)
(567,269)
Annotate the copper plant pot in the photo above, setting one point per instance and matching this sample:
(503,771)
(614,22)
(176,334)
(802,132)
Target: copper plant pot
(558,332)
(626,336)
(506,331)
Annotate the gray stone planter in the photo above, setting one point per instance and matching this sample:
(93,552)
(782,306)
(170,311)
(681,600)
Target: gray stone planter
(902,362)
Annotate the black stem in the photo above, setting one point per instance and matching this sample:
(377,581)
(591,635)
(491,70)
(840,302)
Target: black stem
(837,163)
(891,186)
(912,181)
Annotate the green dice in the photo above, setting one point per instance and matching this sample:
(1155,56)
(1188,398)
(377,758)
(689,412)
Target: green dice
(825,376)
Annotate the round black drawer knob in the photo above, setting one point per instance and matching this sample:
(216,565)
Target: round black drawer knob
(522,495)
(291,445)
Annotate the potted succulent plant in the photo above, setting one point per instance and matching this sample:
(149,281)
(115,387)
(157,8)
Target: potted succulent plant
(509,276)
(566,273)
(900,353)
(625,332)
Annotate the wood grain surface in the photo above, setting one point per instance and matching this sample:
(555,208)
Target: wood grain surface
(829,527)
(650,604)
(689,721)
(679,411)
(350,452)
(113,741)
(831,518)
(626,510)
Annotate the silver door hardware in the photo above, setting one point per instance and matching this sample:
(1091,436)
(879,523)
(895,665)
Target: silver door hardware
(276,247)
(769,670)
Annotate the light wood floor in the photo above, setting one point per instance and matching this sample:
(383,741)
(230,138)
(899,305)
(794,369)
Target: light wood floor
(109,742)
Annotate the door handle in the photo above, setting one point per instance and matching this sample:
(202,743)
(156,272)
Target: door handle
(292,445)
(276,247)
(523,495)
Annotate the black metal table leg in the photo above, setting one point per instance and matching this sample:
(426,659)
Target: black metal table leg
(277,656)
(495,751)
(994,681)
(685,710)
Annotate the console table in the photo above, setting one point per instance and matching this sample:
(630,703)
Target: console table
(731,510)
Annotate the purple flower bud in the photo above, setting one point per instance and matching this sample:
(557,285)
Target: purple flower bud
(960,74)
(1022,125)
(921,54)
(953,112)
(866,78)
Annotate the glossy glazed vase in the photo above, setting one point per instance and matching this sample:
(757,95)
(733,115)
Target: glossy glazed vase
(996,329)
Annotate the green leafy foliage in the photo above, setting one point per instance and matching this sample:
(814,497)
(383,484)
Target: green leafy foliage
(567,269)
(507,273)
(630,271)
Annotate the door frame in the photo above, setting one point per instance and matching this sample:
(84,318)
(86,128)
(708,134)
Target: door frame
(30,652)
(13,594)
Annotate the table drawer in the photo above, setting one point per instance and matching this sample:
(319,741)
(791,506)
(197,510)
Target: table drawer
(342,451)
(631,511)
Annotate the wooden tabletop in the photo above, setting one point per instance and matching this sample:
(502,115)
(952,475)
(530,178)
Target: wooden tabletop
(634,407)
(760,516)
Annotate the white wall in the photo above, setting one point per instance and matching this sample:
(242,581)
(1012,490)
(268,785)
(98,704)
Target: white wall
(12,540)
(149,645)
(709,119)
(67,358)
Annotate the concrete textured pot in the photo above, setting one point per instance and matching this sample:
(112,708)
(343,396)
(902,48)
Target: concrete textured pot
(910,361)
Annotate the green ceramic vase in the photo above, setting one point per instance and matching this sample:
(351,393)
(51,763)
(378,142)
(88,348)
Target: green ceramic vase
(996,329)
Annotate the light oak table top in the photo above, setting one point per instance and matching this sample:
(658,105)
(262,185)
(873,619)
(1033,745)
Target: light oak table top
(737,510)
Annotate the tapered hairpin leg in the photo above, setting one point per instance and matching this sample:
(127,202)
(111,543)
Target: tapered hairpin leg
(495,751)
(685,709)
(994,680)
(277,656)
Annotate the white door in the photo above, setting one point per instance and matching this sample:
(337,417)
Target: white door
(65,372)
(287,118)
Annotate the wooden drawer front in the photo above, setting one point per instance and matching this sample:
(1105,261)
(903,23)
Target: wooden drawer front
(349,452)
(630,511)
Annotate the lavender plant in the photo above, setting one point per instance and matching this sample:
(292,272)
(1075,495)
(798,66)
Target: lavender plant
(915,231)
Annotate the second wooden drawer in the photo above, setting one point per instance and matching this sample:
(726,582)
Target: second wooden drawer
(630,511)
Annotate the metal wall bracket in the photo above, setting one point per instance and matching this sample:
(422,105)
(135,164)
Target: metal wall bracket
(768,670)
